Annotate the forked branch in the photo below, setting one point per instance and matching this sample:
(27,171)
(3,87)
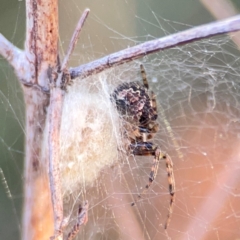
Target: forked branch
(32,66)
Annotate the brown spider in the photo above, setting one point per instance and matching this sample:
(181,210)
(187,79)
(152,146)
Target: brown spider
(138,110)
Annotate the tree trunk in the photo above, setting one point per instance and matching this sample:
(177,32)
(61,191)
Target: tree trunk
(40,54)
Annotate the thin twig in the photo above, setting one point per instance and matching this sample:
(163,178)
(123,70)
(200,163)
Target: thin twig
(17,59)
(75,38)
(9,51)
(141,50)
(56,102)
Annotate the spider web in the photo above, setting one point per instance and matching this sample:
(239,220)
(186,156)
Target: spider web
(197,89)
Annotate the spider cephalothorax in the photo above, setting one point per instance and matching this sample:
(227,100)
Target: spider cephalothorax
(138,109)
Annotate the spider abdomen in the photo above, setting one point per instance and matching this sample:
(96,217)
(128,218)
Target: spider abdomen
(134,104)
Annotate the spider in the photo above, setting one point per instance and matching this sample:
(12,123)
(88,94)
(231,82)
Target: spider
(137,108)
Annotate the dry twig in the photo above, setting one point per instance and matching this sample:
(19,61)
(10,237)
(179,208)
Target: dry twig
(57,92)
(75,38)
(141,50)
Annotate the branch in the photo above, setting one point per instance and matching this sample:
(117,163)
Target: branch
(57,92)
(141,50)
(55,111)
(75,38)
(17,59)
(32,67)
(9,51)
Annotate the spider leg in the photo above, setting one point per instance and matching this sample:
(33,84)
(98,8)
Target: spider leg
(147,148)
(171,183)
(153,101)
(81,220)
(144,76)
